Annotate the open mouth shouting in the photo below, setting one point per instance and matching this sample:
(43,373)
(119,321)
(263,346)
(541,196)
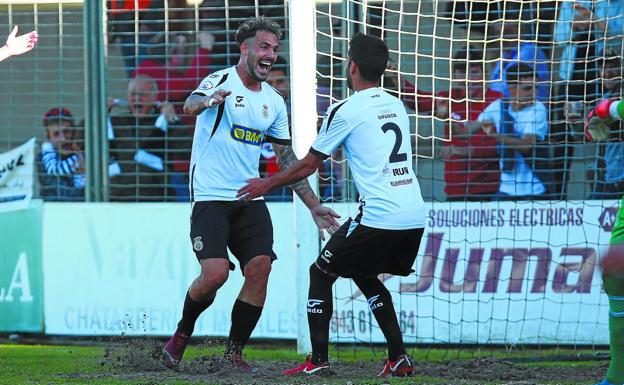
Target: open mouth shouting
(263,68)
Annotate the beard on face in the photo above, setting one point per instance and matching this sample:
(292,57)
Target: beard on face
(252,62)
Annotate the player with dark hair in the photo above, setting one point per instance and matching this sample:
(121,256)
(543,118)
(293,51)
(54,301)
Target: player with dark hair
(228,136)
(603,122)
(384,237)
(17,45)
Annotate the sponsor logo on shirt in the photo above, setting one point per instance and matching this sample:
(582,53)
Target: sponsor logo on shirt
(401,182)
(265,111)
(247,135)
(239,101)
(386,116)
(400,171)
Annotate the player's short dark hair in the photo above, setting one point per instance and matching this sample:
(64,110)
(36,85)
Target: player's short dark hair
(250,27)
(519,71)
(466,58)
(370,54)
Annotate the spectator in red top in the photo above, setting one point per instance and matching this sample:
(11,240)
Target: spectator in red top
(123,18)
(420,101)
(471,170)
(166,66)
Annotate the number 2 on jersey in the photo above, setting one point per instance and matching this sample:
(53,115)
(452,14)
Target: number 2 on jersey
(395,155)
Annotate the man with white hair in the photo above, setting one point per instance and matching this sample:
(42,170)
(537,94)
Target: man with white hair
(138,142)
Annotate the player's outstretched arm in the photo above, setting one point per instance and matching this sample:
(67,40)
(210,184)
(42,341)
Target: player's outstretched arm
(196,104)
(324,217)
(294,173)
(17,45)
(285,157)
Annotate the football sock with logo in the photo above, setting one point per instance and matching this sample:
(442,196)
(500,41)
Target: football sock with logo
(320,308)
(380,303)
(245,316)
(615,290)
(191,311)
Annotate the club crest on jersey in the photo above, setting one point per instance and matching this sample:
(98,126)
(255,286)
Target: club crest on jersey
(265,111)
(246,135)
(198,245)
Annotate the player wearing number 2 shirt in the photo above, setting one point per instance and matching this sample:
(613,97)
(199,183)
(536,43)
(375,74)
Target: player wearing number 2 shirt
(385,235)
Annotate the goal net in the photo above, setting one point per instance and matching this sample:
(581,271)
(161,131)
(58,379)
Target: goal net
(522,269)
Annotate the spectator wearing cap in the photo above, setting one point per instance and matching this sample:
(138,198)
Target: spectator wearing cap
(61,172)
(519,48)
(519,124)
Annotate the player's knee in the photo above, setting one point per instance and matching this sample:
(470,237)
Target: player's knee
(213,280)
(258,269)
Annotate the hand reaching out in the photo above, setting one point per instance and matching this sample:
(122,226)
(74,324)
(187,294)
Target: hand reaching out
(17,45)
(325,219)
(217,98)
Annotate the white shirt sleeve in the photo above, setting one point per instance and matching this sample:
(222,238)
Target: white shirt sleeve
(208,84)
(333,133)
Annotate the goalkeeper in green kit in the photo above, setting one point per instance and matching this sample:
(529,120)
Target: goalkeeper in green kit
(605,120)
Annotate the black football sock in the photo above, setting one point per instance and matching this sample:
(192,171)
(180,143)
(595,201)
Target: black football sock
(245,316)
(380,303)
(320,308)
(190,313)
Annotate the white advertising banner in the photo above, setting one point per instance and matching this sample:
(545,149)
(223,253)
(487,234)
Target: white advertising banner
(16,177)
(496,272)
(112,269)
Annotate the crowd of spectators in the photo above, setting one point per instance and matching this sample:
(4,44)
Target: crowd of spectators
(509,113)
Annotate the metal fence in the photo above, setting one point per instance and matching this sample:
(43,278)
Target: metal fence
(89,53)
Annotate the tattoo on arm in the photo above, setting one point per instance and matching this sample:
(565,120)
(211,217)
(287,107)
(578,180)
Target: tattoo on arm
(302,188)
(194,104)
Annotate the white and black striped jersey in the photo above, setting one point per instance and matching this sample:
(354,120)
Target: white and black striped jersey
(54,165)
(228,138)
(374,129)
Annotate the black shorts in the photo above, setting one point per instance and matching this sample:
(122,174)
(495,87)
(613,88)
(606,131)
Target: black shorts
(243,227)
(358,250)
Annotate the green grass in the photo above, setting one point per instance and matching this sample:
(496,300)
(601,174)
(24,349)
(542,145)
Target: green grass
(46,364)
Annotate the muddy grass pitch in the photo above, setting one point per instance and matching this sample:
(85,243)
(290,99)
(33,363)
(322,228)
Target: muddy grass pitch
(138,362)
